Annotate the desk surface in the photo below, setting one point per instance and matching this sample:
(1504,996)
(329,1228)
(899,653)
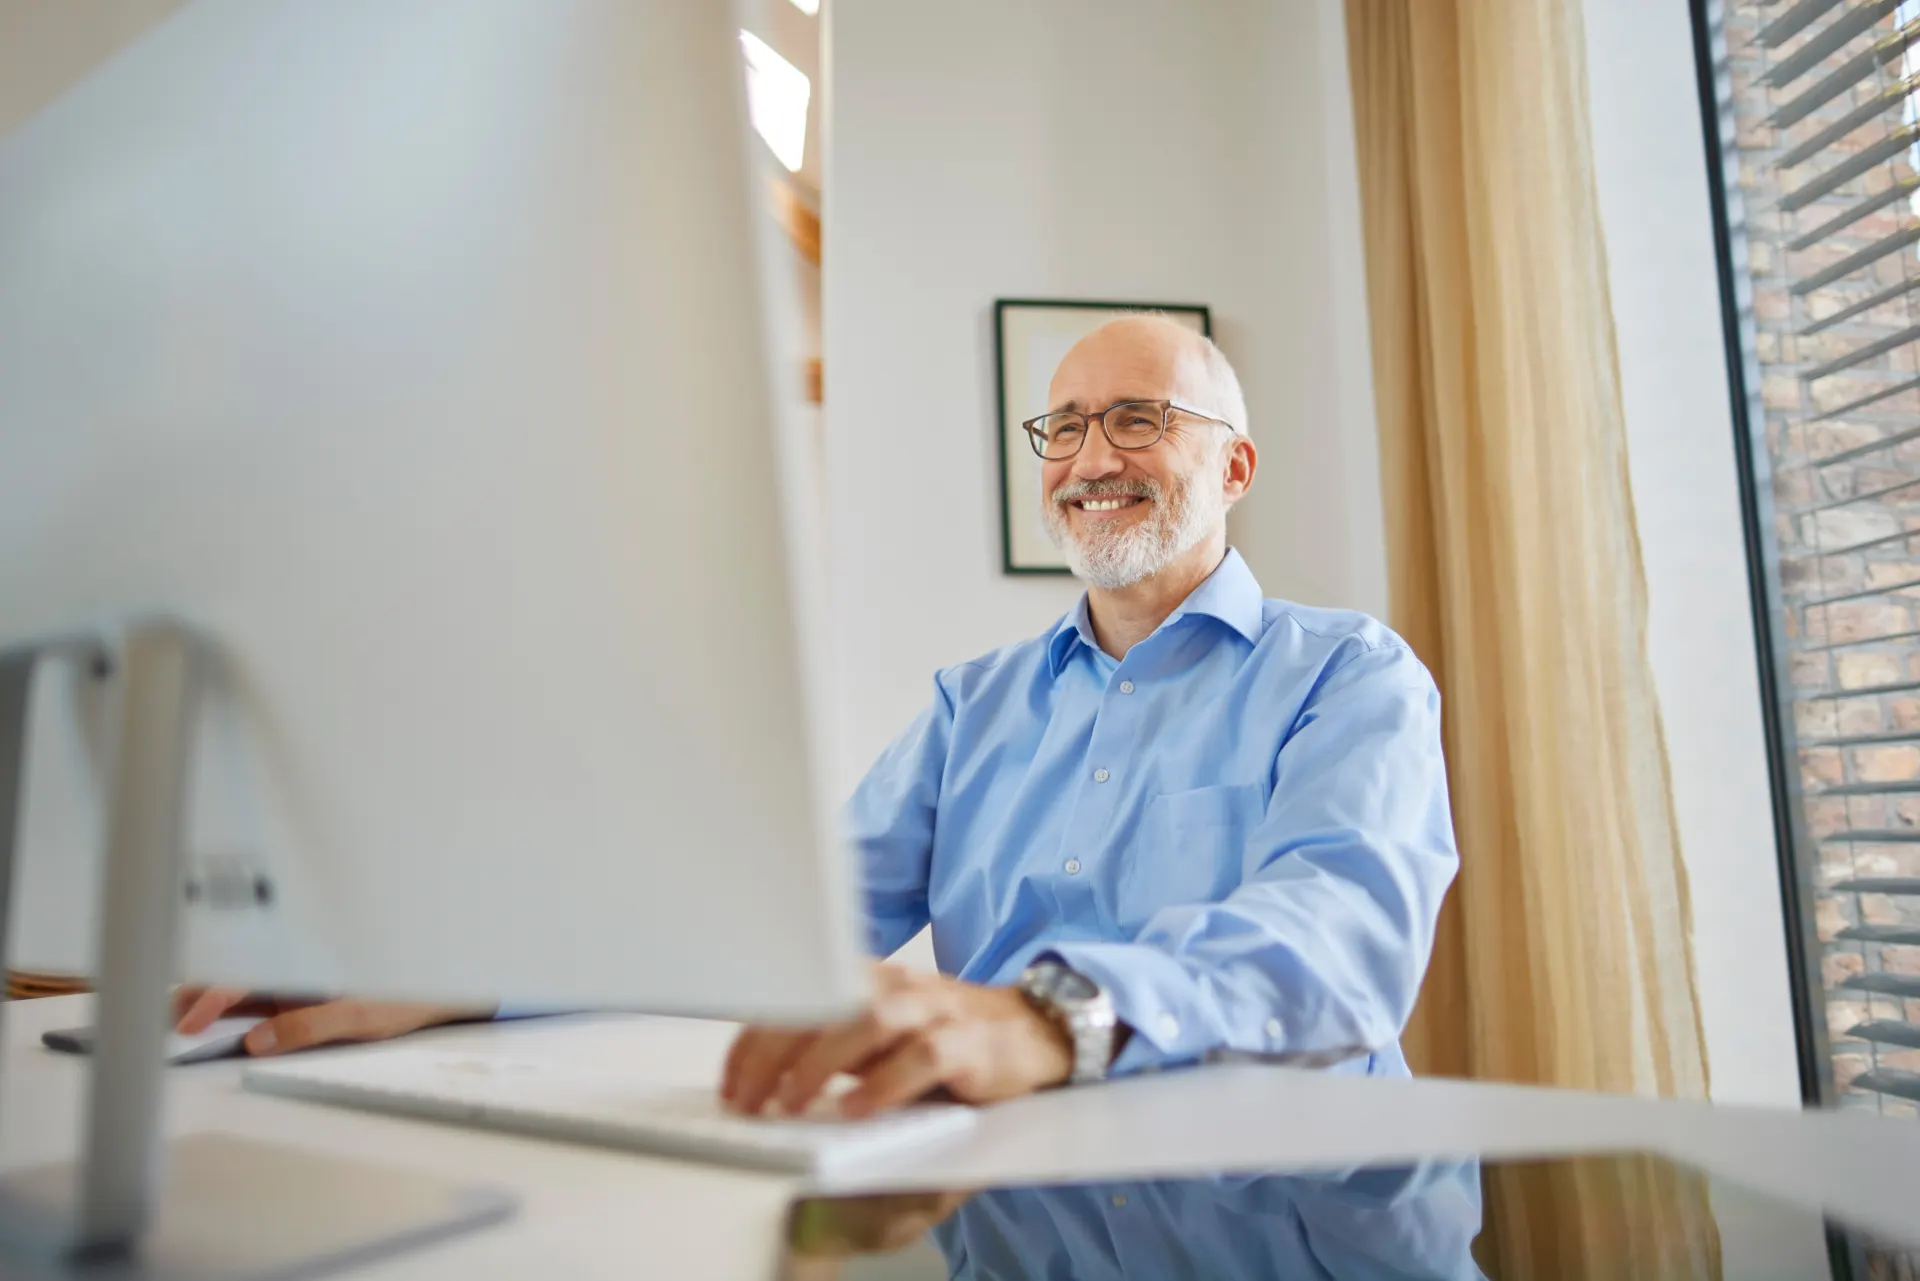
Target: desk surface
(586,1212)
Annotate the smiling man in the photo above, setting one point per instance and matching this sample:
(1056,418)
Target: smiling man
(1184,820)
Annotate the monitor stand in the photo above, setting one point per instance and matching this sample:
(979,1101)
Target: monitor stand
(232,1208)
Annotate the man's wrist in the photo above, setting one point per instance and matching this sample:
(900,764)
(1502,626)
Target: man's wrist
(1055,1032)
(1079,1010)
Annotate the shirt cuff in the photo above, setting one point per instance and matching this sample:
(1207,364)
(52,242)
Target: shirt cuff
(1154,994)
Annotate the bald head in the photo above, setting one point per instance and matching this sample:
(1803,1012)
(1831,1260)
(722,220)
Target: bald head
(1148,357)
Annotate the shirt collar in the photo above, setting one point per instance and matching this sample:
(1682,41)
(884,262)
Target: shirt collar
(1075,628)
(1230,594)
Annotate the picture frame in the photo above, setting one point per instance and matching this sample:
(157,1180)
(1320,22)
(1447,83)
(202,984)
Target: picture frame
(1030,336)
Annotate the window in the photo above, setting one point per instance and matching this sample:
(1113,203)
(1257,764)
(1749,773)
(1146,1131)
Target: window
(777,94)
(1815,139)
(1821,186)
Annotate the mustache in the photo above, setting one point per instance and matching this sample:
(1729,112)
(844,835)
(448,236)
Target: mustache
(1075,490)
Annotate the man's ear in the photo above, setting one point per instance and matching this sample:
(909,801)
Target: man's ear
(1241,462)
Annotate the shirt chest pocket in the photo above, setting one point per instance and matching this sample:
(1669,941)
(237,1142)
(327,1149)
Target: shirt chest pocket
(1190,847)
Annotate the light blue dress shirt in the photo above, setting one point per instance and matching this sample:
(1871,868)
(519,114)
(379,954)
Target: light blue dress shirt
(1367,1225)
(1240,831)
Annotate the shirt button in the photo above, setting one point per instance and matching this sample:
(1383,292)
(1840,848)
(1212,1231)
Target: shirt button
(1073,867)
(1273,1029)
(1101,776)
(1126,687)
(1169,1026)
(1119,1201)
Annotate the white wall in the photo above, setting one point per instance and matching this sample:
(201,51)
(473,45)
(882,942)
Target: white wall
(1651,162)
(1120,149)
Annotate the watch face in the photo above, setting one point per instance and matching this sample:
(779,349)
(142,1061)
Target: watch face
(1071,986)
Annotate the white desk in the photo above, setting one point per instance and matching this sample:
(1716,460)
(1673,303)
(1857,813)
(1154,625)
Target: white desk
(583,1212)
(592,1213)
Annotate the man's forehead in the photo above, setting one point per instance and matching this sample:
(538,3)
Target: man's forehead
(1094,380)
(1089,404)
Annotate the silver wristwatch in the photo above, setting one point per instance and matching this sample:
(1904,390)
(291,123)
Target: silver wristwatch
(1076,1005)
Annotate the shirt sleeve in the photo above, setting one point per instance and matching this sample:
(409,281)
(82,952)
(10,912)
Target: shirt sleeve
(1323,945)
(890,821)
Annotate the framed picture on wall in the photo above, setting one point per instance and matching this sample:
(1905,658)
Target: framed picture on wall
(1030,336)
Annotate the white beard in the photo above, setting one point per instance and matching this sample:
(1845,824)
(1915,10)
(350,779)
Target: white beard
(1123,557)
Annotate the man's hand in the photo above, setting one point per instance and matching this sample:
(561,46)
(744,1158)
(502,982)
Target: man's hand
(296,1024)
(923,1032)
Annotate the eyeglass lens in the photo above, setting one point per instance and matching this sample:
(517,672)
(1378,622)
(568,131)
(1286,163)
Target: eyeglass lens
(1130,425)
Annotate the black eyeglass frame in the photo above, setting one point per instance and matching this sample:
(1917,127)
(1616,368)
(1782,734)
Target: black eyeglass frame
(1167,409)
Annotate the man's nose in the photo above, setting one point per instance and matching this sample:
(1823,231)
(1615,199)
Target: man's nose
(1097,457)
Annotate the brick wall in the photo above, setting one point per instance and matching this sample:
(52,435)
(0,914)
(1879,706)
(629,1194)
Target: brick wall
(1836,598)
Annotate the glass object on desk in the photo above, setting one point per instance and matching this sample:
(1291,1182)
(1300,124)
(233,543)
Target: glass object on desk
(1419,1221)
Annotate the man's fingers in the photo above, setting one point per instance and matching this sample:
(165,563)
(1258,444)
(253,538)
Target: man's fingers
(302,1029)
(748,1043)
(761,1066)
(764,1055)
(197,1008)
(842,1048)
(741,1040)
(919,1063)
(333,1021)
(851,1046)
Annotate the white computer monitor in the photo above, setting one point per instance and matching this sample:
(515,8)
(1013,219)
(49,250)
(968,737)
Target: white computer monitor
(426,360)
(397,409)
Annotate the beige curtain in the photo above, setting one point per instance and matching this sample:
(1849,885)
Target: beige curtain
(1564,956)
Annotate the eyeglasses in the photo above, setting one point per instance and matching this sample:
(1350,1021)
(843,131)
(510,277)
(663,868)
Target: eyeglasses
(1131,424)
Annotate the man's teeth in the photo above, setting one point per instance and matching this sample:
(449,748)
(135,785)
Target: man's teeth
(1104,504)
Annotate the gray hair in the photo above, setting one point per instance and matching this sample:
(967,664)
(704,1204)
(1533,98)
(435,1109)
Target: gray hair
(1230,402)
